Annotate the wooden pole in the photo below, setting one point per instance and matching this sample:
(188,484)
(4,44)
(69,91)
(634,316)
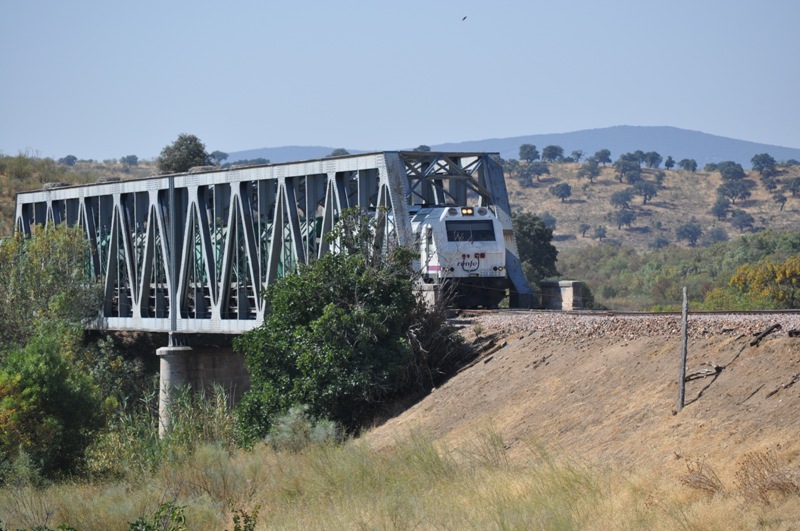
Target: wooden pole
(684,351)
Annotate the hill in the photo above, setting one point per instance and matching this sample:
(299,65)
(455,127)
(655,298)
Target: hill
(682,196)
(602,390)
(679,143)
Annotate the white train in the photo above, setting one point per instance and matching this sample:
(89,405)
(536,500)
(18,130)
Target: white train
(461,249)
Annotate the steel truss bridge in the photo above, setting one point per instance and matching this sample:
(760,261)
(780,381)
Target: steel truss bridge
(194,252)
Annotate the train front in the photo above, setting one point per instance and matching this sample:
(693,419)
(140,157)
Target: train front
(463,248)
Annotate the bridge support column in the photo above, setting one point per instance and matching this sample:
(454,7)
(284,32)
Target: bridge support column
(173,373)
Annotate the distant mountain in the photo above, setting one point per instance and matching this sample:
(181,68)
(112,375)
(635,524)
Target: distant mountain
(679,143)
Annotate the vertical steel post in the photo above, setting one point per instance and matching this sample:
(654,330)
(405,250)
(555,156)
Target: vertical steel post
(684,351)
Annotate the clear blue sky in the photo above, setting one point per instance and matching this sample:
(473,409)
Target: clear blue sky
(102,79)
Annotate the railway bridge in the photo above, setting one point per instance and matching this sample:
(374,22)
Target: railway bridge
(191,254)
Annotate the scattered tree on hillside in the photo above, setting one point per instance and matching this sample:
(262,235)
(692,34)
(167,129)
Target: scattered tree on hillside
(537,169)
(528,153)
(622,217)
(603,157)
(338,152)
(218,157)
(764,164)
(129,160)
(735,190)
(688,165)
(589,170)
(561,190)
(185,153)
(780,199)
(622,198)
(536,251)
(669,163)
(646,189)
(720,208)
(549,220)
(552,153)
(599,232)
(710,166)
(793,187)
(715,235)
(731,171)
(577,155)
(742,220)
(69,160)
(652,159)
(639,156)
(628,170)
(584,228)
(690,232)
(422,148)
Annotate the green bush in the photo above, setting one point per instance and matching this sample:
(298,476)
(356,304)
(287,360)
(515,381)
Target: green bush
(344,336)
(48,410)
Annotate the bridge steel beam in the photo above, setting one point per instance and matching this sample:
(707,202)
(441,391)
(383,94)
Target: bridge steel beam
(193,253)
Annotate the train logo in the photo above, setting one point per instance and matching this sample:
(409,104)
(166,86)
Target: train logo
(469,264)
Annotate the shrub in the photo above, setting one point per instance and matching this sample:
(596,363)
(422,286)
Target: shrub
(344,336)
(48,409)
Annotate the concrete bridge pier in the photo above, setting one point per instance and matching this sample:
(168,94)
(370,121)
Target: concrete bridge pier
(201,367)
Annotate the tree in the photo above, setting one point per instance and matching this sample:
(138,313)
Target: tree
(646,189)
(599,232)
(536,252)
(735,190)
(742,220)
(589,170)
(584,228)
(552,153)
(639,156)
(339,152)
(776,280)
(218,157)
(48,407)
(69,160)
(561,190)
(577,155)
(622,198)
(710,166)
(688,165)
(731,171)
(628,170)
(538,169)
(764,164)
(715,235)
(129,160)
(622,217)
(653,159)
(669,163)
(422,148)
(690,232)
(720,208)
(780,199)
(603,156)
(44,276)
(185,153)
(528,152)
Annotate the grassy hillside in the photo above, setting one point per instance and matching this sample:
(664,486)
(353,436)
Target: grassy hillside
(682,196)
(22,173)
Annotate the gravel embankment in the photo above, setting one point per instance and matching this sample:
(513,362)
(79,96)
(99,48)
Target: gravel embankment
(628,327)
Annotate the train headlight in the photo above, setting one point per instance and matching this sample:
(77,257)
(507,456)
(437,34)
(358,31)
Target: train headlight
(467,211)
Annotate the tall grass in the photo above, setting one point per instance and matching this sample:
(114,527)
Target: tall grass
(415,483)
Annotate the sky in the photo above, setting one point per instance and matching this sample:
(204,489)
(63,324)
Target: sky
(102,80)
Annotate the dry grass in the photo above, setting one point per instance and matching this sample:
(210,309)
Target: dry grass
(415,484)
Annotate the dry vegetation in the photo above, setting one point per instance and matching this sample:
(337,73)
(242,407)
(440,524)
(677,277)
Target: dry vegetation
(684,195)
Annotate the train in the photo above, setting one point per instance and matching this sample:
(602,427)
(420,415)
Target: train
(462,254)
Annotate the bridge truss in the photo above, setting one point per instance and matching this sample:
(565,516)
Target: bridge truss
(195,252)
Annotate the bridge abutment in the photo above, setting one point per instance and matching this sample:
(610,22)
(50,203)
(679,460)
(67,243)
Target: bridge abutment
(200,368)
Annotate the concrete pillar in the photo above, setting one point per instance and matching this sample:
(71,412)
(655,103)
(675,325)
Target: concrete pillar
(173,373)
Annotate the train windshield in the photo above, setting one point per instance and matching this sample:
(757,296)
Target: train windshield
(470,231)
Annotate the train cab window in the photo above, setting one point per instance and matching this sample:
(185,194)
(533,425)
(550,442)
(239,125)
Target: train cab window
(470,231)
